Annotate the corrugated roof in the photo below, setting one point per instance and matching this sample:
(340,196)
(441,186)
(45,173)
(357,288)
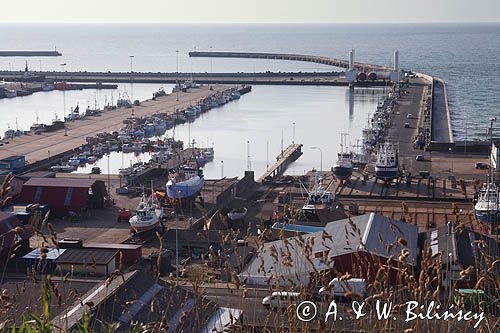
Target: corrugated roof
(87,256)
(60,182)
(370,233)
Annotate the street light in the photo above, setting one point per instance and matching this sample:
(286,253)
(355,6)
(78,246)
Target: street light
(321,158)
(132,77)
(63,66)
(177,73)
(451,151)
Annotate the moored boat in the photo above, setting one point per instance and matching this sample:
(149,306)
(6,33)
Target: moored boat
(387,164)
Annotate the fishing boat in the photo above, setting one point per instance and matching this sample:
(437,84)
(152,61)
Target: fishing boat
(132,147)
(74,161)
(68,168)
(387,164)
(126,171)
(186,183)
(343,167)
(318,201)
(148,214)
(360,154)
(237,214)
(487,208)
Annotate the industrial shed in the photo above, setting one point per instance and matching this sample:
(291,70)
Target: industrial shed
(64,195)
(353,246)
(87,262)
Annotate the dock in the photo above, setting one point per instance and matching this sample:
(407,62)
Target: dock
(49,145)
(265,78)
(289,155)
(329,61)
(30,53)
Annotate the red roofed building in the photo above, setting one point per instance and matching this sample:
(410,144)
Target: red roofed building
(64,195)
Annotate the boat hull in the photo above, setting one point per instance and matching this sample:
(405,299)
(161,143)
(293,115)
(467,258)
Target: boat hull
(387,174)
(185,189)
(341,172)
(487,217)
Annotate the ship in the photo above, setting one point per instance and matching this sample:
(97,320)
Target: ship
(487,208)
(186,183)
(387,164)
(343,168)
(148,214)
(319,202)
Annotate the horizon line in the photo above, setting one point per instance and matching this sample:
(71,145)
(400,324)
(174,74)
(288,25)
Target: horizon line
(249,22)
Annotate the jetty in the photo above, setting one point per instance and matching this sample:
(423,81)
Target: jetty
(30,53)
(283,160)
(49,146)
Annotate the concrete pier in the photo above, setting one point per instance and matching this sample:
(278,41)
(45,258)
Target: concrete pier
(49,144)
(30,54)
(267,78)
(329,61)
(289,155)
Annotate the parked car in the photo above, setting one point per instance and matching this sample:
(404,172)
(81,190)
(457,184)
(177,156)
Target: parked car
(420,158)
(407,125)
(481,165)
(409,116)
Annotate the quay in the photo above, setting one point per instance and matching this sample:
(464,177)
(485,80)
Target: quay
(30,53)
(283,160)
(48,145)
(265,78)
(329,61)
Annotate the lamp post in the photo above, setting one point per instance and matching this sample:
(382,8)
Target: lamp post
(132,77)
(293,136)
(177,73)
(321,158)
(63,66)
(451,151)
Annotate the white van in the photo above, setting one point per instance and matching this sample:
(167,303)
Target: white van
(338,287)
(281,299)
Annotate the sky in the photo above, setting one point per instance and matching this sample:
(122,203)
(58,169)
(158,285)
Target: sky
(251,11)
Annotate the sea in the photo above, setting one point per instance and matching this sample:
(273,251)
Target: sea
(250,133)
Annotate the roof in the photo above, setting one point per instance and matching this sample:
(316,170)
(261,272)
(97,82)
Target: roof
(368,233)
(112,246)
(12,158)
(52,254)
(9,238)
(462,244)
(87,256)
(60,182)
(27,296)
(306,229)
(143,298)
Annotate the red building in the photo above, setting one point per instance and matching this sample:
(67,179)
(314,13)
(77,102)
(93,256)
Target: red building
(64,195)
(359,246)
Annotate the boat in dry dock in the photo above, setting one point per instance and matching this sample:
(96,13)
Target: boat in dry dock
(148,214)
(185,183)
(343,168)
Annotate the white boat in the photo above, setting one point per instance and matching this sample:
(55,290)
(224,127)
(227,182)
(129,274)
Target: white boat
(67,168)
(91,159)
(132,147)
(126,171)
(387,165)
(148,214)
(319,201)
(237,214)
(487,208)
(10,93)
(74,161)
(56,168)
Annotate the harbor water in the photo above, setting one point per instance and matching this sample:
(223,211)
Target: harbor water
(462,54)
